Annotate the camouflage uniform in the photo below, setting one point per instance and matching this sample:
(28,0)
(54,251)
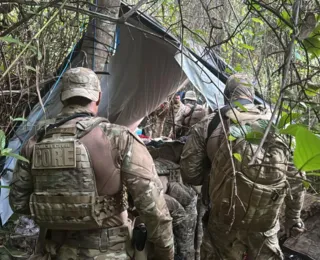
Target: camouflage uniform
(223,240)
(177,110)
(156,120)
(120,164)
(181,201)
(192,114)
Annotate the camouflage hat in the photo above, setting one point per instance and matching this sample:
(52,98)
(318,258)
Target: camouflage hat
(190,95)
(80,82)
(239,86)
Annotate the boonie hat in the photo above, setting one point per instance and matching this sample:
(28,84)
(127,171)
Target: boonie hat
(190,95)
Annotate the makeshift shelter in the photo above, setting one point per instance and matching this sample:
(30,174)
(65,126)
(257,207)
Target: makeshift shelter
(149,64)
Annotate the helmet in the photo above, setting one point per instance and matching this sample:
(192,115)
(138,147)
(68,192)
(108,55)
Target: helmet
(80,82)
(239,85)
(190,95)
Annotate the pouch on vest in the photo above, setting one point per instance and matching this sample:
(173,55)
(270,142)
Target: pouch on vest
(65,193)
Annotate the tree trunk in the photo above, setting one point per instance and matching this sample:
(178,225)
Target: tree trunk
(98,42)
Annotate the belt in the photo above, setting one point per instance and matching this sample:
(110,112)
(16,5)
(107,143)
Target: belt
(101,239)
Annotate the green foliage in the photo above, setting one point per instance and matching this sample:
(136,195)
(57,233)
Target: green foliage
(312,45)
(287,119)
(292,129)
(307,153)
(254,137)
(237,156)
(239,105)
(8,151)
(238,68)
(306,184)
(285,16)
(257,20)
(231,138)
(247,47)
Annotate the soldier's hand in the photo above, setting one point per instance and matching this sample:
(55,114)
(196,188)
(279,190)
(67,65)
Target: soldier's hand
(294,227)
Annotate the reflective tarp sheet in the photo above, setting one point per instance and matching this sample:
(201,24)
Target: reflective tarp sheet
(206,82)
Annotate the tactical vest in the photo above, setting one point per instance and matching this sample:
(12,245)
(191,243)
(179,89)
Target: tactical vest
(65,193)
(249,197)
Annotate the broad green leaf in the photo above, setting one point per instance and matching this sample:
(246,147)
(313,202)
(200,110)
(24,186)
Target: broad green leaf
(310,92)
(238,156)
(2,140)
(285,15)
(9,39)
(306,156)
(292,129)
(257,20)
(231,138)
(238,104)
(18,157)
(6,151)
(30,68)
(312,45)
(316,30)
(239,131)
(285,119)
(254,137)
(247,46)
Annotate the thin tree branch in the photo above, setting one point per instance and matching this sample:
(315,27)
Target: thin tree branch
(288,58)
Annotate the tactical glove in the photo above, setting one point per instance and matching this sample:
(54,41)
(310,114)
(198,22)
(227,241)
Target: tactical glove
(294,227)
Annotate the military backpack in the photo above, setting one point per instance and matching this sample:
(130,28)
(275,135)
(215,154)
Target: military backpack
(248,196)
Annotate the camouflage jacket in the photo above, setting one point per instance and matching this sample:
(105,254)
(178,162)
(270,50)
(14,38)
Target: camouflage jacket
(137,173)
(198,155)
(189,117)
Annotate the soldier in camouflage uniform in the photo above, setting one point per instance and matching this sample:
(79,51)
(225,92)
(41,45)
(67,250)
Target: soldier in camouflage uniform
(175,111)
(192,114)
(81,170)
(156,120)
(243,222)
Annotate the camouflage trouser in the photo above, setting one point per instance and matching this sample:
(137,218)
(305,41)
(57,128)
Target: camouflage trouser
(87,245)
(184,228)
(179,218)
(201,208)
(70,253)
(217,245)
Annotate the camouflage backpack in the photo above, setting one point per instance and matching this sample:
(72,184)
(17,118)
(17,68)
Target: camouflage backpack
(248,196)
(65,193)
